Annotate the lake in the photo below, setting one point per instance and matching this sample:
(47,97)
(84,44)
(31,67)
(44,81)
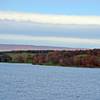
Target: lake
(36,82)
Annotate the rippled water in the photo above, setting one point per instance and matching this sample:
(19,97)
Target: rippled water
(34,82)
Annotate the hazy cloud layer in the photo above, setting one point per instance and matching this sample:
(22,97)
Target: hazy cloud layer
(27,28)
(54,30)
(48,39)
(50,19)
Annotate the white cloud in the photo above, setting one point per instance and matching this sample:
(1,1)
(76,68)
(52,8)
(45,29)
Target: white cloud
(48,39)
(50,19)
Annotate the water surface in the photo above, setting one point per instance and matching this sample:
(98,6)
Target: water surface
(35,82)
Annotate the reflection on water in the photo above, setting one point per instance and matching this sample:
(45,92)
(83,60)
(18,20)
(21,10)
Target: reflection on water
(35,82)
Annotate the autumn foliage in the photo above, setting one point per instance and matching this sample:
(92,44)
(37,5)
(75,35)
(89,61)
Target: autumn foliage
(83,58)
(78,58)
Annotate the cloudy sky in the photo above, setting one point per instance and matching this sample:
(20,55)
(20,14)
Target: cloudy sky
(66,23)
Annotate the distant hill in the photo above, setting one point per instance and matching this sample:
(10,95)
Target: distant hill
(9,47)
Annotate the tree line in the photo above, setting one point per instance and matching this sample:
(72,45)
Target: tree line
(78,58)
(83,58)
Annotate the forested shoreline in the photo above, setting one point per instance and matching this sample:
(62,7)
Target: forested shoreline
(79,58)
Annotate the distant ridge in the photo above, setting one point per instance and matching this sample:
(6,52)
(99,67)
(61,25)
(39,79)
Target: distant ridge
(10,47)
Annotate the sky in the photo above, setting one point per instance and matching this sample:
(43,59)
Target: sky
(62,23)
